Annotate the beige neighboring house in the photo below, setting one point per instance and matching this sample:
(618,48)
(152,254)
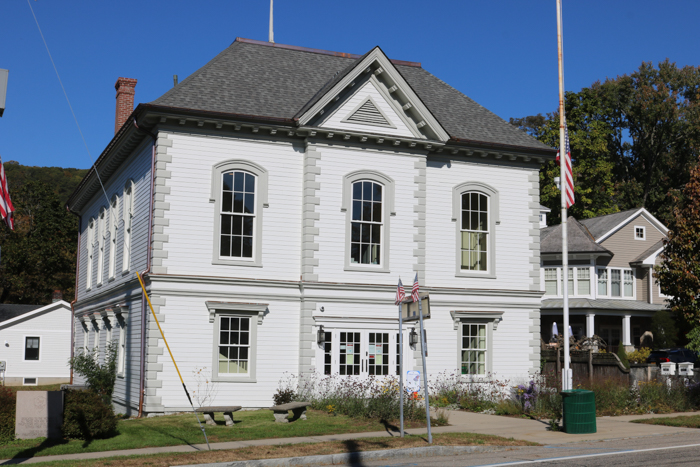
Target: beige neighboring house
(612,289)
(35,343)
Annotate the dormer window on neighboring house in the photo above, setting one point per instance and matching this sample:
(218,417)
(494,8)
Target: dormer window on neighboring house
(639,233)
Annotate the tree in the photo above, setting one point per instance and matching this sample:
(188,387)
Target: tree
(679,272)
(38,257)
(633,140)
(663,327)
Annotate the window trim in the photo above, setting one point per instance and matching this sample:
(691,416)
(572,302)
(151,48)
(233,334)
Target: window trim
(101,237)
(256,313)
(261,201)
(112,260)
(494,220)
(91,252)
(644,232)
(491,319)
(128,220)
(34,336)
(387,208)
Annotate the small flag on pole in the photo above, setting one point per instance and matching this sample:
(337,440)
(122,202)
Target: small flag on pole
(400,293)
(414,290)
(568,183)
(6,208)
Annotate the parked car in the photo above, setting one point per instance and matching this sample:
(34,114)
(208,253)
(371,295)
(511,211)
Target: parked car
(672,355)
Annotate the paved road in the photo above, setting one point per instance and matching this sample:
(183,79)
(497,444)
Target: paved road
(678,449)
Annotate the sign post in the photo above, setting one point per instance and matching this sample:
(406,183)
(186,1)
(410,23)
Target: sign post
(401,367)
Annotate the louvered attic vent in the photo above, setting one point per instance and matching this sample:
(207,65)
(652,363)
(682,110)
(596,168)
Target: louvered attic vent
(368,114)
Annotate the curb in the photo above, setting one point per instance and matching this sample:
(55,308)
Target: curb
(354,458)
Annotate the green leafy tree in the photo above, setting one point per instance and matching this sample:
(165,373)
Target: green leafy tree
(633,139)
(38,257)
(663,327)
(100,377)
(679,272)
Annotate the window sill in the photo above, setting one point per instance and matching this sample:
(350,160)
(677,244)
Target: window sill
(368,268)
(475,275)
(234,262)
(226,379)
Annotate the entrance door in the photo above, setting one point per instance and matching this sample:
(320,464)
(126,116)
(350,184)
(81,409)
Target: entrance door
(361,353)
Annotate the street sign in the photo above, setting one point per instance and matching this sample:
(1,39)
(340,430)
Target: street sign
(409,309)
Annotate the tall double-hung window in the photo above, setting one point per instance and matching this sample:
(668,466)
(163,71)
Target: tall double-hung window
(112,236)
(474,232)
(90,252)
(366,227)
(237,214)
(101,236)
(368,200)
(128,217)
(475,212)
(239,193)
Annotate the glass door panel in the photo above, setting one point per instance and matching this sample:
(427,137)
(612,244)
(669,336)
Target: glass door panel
(350,354)
(378,354)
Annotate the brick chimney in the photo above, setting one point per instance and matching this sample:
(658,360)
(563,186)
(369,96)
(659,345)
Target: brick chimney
(57,296)
(125,101)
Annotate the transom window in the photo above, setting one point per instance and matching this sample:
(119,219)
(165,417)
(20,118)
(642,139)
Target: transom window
(237,214)
(366,225)
(473,349)
(474,231)
(234,345)
(31,348)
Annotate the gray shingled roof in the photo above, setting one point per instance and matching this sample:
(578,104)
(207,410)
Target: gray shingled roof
(267,80)
(9,311)
(615,305)
(650,251)
(599,226)
(578,239)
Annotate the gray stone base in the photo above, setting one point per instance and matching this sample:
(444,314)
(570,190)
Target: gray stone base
(39,414)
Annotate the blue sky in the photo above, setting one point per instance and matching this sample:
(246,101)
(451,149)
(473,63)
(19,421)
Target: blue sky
(500,53)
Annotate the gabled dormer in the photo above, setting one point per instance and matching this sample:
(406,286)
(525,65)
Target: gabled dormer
(371,96)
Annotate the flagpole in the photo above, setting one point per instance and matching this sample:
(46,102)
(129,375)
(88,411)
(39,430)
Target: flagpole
(425,374)
(401,367)
(566,382)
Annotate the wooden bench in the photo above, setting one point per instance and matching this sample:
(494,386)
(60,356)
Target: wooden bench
(298,411)
(227,410)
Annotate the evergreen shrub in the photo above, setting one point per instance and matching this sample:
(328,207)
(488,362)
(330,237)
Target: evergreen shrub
(87,416)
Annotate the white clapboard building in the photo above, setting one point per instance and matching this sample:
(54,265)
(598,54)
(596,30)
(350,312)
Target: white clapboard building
(280,191)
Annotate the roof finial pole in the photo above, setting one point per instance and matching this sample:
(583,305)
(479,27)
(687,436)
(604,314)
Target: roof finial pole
(272,34)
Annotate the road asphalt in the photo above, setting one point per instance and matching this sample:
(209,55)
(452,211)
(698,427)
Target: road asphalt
(609,428)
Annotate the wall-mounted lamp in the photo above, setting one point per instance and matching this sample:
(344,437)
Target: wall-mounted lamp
(413,337)
(320,336)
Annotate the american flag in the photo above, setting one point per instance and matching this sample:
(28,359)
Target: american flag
(568,182)
(400,293)
(6,208)
(414,290)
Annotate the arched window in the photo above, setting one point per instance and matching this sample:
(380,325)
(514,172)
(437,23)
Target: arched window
(113,204)
(237,211)
(128,217)
(368,200)
(366,226)
(101,234)
(239,193)
(90,252)
(475,210)
(474,231)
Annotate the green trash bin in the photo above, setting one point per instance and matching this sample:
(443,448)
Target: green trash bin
(579,411)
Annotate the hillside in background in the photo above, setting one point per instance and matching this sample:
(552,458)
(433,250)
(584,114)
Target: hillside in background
(62,181)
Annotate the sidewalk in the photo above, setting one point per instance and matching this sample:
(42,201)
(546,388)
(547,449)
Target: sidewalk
(518,428)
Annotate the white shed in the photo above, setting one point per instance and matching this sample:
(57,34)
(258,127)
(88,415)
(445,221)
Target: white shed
(35,343)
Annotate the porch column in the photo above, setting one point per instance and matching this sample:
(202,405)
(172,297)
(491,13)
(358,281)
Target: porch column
(626,331)
(590,324)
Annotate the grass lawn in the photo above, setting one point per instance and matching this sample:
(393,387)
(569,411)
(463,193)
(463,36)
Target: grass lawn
(183,429)
(47,387)
(687,421)
(291,450)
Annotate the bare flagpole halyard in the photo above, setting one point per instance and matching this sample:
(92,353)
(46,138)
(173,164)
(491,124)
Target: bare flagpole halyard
(567,199)
(143,287)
